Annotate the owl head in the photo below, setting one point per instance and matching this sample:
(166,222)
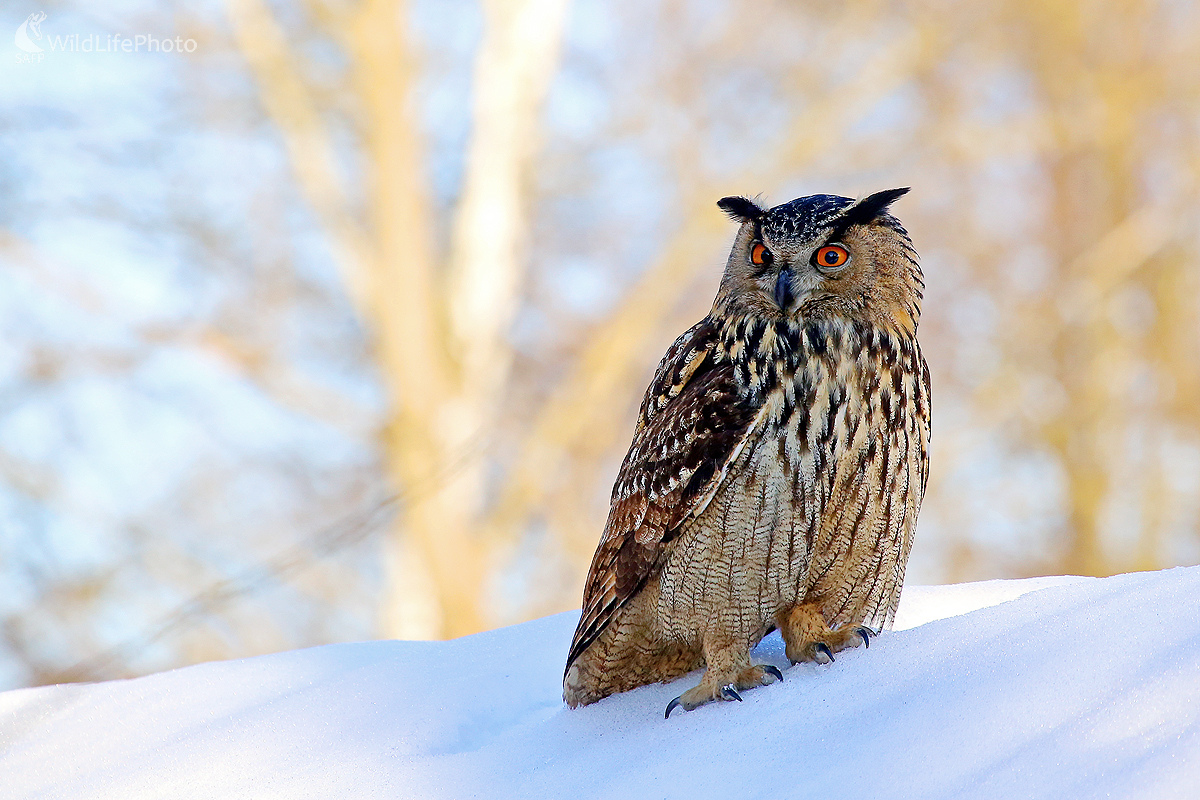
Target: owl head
(823,256)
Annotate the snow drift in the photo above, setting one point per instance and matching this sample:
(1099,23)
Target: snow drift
(1054,687)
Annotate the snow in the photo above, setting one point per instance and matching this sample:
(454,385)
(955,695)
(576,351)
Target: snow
(1050,687)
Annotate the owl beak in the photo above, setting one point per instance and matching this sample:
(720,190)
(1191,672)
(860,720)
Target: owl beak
(783,289)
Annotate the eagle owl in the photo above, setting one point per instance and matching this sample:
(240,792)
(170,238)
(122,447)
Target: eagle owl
(778,463)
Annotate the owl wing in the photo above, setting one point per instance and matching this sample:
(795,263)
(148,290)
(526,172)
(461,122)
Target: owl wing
(691,427)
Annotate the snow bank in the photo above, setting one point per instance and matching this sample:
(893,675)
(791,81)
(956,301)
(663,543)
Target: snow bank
(1056,688)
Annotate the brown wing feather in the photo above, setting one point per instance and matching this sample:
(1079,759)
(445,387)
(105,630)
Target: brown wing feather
(691,424)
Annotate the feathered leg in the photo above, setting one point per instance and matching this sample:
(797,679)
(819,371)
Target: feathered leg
(729,672)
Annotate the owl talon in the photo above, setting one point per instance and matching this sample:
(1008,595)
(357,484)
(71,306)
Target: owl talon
(821,647)
(865,633)
(727,692)
(771,669)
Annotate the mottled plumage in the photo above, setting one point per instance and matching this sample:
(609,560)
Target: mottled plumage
(778,464)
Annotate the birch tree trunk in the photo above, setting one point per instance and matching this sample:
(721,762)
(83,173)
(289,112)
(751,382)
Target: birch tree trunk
(439,325)
(447,414)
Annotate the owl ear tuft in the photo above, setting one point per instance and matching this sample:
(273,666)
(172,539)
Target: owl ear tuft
(740,209)
(872,206)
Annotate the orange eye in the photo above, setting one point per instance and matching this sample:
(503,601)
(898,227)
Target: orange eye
(760,255)
(831,256)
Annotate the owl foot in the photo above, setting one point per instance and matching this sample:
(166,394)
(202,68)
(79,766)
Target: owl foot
(707,692)
(828,644)
(809,638)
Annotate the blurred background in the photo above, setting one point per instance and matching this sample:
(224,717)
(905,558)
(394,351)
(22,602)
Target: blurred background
(333,325)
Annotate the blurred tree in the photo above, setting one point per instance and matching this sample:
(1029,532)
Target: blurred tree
(440,325)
